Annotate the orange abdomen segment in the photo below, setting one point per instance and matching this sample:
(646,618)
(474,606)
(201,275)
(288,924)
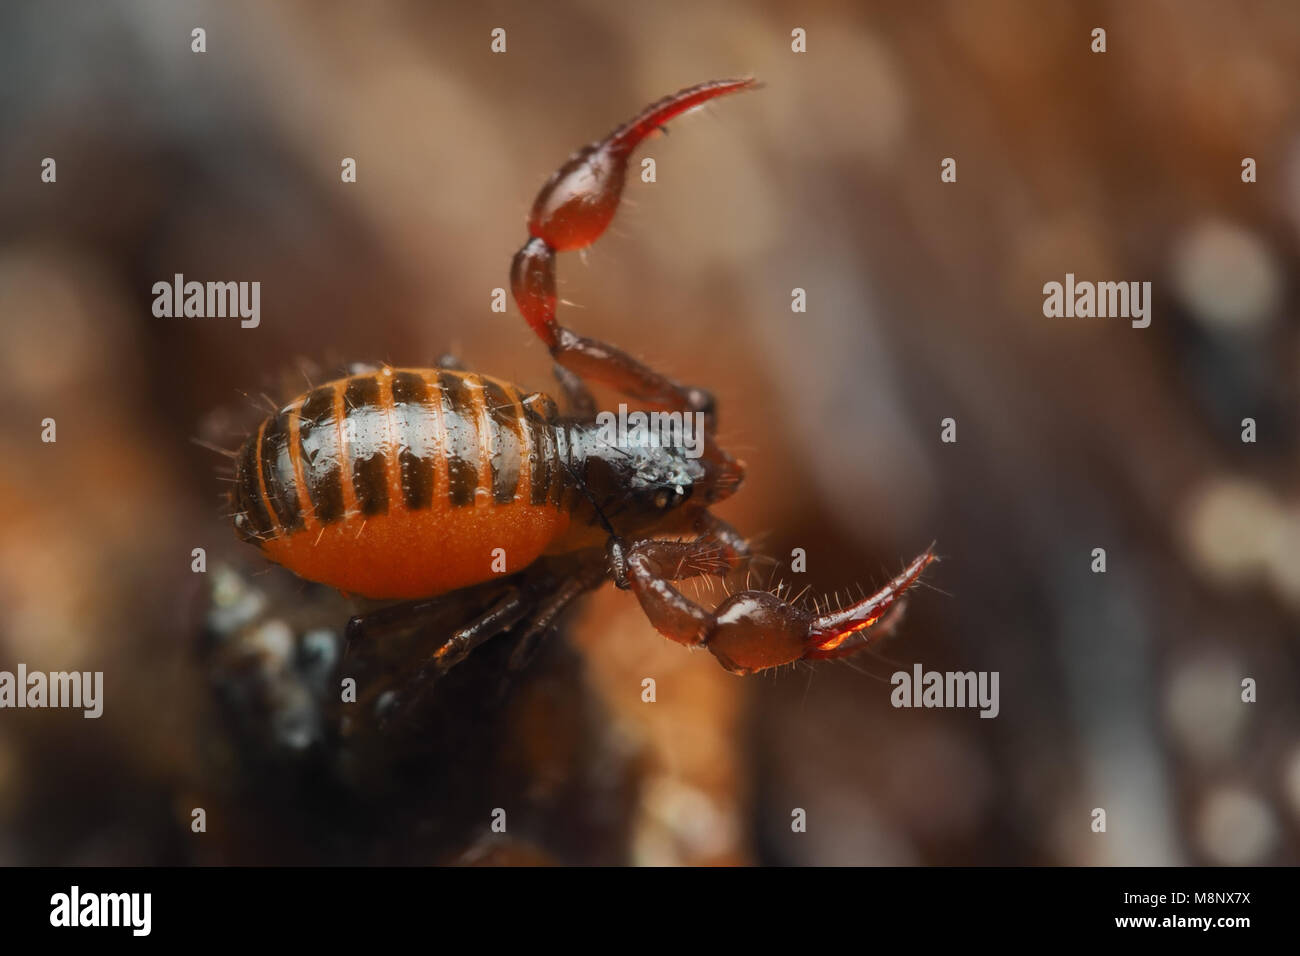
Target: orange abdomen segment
(420,553)
(405,483)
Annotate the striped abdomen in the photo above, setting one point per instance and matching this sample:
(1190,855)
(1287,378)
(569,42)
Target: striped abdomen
(405,483)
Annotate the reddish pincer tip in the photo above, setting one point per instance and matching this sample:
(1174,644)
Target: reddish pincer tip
(830,630)
(656,115)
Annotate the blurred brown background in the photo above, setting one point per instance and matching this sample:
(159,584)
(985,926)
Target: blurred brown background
(1119,690)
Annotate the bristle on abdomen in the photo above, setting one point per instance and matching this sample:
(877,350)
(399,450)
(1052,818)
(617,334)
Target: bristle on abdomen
(398,440)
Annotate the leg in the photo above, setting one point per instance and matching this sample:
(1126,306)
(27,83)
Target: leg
(753,630)
(509,610)
(532,603)
(548,613)
(505,612)
(577,396)
(375,625)
(571,212)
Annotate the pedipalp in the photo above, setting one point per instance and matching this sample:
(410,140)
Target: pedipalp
(571,212)
(752,630)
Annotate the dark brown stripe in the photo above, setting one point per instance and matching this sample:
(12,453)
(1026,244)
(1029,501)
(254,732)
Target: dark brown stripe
(461,421)
(248,494)
(367,429)
(563,484)
(277,473)
(370,481)
(318,437)
(302,500)
(413,419)
(507,442)
(577,494)
(362,393)
(541,454)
